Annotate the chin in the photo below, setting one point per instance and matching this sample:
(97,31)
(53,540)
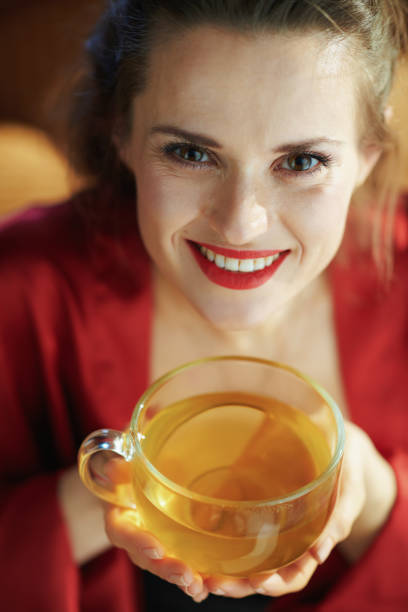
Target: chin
(232,318)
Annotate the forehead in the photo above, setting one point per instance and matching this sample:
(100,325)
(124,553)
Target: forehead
(218,79)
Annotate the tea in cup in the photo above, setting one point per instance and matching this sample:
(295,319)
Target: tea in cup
(233,463)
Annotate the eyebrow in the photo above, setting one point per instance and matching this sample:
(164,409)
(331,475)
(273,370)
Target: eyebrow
(192,137)
(307,144)
(205,141)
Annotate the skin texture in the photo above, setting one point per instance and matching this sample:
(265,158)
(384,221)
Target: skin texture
(243,193)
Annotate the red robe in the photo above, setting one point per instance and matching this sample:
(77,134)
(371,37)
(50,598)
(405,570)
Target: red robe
(75,325)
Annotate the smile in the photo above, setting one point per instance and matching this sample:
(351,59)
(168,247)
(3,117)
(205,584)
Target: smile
(233,264)
(234,269)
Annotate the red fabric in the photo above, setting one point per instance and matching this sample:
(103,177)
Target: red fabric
(74,324)
(75,320)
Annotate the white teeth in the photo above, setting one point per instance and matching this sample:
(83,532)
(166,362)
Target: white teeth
(246,265)
(220,261)
(238,265)
(231,264)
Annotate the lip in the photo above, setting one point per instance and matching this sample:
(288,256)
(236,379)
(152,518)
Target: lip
(236,280)
(237,254)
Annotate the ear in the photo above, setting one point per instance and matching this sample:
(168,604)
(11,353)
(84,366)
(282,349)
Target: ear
(388,114)
(122,148)
(369,156)
(370,153)
(121,144)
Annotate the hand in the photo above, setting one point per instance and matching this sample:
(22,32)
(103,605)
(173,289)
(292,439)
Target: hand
(367,492)
(124,531)
(145,551)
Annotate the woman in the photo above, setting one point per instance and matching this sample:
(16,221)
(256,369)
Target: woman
(248,129)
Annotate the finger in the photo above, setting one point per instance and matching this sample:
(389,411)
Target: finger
(146,552)
(177,572)
(349,504)
(118,470)
(123,529)
(229,587)
(289,579)
(196,592)
(297,575)
(201,596)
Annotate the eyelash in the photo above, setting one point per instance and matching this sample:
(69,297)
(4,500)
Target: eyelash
(325,160)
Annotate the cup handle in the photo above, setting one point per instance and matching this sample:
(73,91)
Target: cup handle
(96,451)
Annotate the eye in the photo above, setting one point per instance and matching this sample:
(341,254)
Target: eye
(301,162)
(189,153)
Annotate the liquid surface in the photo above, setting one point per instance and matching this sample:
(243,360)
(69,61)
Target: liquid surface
(257,449)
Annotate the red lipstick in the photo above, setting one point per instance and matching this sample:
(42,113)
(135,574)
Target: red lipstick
(237,254)
(236,280)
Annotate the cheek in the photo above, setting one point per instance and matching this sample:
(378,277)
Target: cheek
(166,201)
(318,220)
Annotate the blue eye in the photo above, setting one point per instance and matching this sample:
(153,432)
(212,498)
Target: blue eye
(301,162)
(189,153)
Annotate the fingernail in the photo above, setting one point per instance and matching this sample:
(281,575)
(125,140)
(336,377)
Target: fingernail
(261,591)
(218,592)
(200,598)
(194,589)
(178,579)
(270,584)
(152,553)
(323,550)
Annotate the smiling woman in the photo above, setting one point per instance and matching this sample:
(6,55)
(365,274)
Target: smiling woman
(235,191)
(240,154)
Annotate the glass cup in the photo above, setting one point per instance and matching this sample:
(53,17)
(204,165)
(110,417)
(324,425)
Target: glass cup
(231,462)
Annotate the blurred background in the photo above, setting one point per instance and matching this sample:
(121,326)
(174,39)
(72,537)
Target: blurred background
(41,45)
(40,54)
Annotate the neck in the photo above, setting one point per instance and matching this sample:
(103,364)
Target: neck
(171,305)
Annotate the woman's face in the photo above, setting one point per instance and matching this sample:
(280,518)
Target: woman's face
(245,152)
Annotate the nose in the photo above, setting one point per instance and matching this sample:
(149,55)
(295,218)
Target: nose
(238,213)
